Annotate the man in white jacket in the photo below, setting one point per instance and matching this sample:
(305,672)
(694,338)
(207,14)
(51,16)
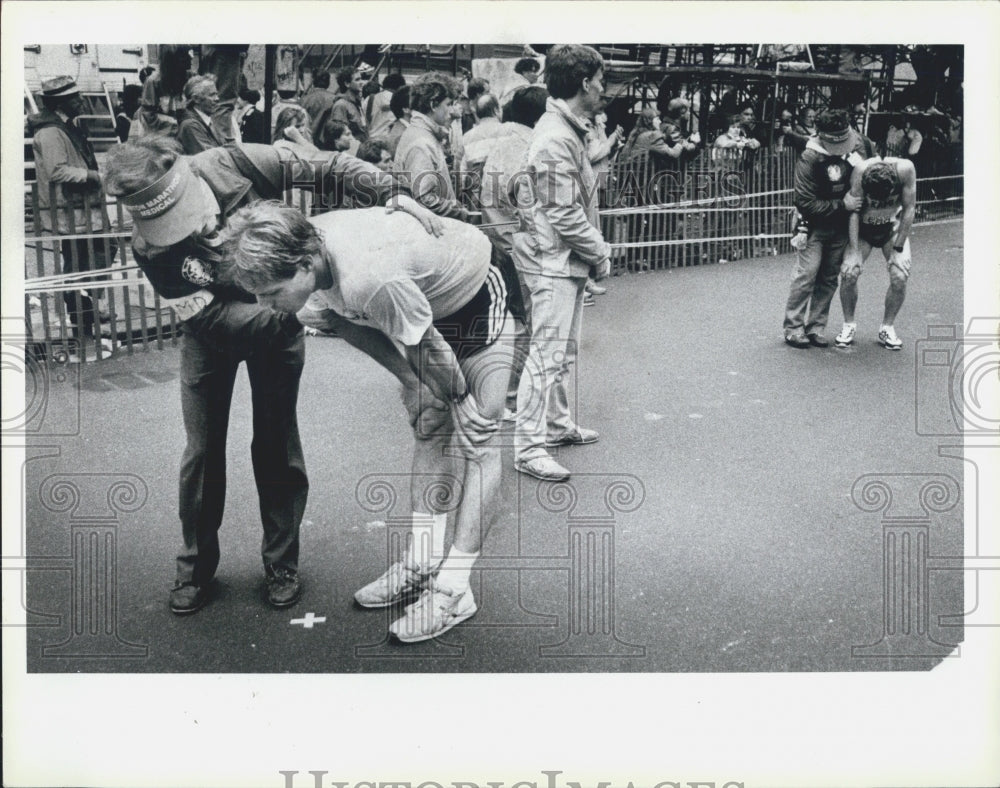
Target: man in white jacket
(565,246)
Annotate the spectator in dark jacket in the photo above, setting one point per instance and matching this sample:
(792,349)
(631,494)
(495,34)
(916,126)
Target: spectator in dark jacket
(347,107)
(197,130)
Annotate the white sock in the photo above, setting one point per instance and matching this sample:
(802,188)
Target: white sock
(455,570)
(427,539)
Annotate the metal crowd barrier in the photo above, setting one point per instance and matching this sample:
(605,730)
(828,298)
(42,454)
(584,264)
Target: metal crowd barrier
(723,205)
(85,299)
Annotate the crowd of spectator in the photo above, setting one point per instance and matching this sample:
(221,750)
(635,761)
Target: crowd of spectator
(528,165)
(438,132)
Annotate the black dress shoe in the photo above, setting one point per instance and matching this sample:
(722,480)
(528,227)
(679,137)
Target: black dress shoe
(187,598)
(283,586)
(818,340)
(797,339)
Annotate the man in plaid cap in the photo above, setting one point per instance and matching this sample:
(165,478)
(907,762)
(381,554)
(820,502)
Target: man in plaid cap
(70,196)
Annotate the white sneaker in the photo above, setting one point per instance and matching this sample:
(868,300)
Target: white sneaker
(887,338)
(438,610)
(398,581)
(846,336)
(544,468)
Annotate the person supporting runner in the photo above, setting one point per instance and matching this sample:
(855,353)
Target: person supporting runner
(823,199)
(178,205)
(430,310)
(888,189)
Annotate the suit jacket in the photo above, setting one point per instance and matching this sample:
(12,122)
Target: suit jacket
(195,135)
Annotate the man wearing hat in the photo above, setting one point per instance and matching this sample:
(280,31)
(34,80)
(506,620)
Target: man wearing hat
(824,200)
(178,205)
(70,196)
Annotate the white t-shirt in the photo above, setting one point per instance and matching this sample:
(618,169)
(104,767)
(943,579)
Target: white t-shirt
(392,275)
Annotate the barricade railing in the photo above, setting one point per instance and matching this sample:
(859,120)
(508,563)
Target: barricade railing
(720,206)
(85,299)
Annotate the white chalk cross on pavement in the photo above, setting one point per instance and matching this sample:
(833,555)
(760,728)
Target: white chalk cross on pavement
(309,620)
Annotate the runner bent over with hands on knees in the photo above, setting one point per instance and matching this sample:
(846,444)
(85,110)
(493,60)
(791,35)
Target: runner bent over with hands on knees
(430,310)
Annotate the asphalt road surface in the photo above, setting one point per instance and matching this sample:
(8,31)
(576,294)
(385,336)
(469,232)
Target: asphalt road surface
(738,513)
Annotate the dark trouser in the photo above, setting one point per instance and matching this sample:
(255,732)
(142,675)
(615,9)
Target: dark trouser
(814,281)
(76,257)
(215,341)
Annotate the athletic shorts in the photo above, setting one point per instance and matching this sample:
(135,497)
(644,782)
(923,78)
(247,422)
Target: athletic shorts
(878,235)
(480,322)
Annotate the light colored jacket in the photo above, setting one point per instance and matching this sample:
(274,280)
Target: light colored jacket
(421,165)
(563,226)
(507,158)
(62,170)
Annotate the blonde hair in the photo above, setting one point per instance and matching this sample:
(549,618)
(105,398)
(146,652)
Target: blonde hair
(267,242)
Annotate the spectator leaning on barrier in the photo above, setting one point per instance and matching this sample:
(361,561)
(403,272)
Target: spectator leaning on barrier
(823,199)
(178,205)
(67,172)
(754,130)
(681,144)
(785,135)
(568,247)
(735,136)
(197,130)
(643,136)
(806,124)
(420,158)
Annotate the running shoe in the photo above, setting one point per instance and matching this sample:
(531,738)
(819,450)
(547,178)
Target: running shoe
(398,582)
(887,338)
(438,610)
(846,336)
